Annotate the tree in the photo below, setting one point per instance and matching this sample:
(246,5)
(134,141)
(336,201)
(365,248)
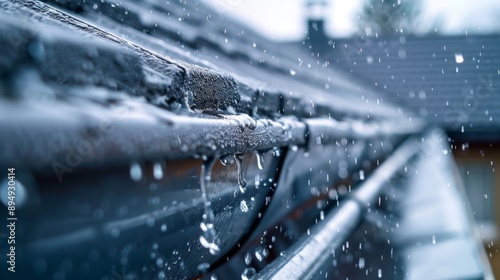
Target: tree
(387,17)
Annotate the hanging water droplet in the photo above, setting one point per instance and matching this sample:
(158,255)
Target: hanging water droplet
(136,171)
(208,239)
(276,152)
(259,254)
(265,252)
(260,160)
(243,206)
(247,273)
(241,178)
(227,160)
(248,258)
(158,170)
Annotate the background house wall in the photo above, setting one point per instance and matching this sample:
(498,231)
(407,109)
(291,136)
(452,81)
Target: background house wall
(483,155)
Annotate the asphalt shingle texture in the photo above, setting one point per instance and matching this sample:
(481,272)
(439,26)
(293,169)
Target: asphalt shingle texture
(451,81)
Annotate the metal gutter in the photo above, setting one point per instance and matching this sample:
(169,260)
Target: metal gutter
(40,137)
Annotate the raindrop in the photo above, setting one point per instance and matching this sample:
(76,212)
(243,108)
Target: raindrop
(260,160)
(247,273)
(422,95)
(135,171)
(163,228)
(257,180)
(433,239)
(203,267)
(243,206)
(459,58)
(254,45)
(361,263)
(292,72)
(213,277)
(402,54)
(322,215)
(21,193)
(159,262)
(379,273)
(485,196)
(115,233)
(369,59)
(241,178)
(361,175)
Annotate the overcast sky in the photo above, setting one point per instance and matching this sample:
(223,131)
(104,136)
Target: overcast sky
(284,19)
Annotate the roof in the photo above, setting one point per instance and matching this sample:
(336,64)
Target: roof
(189,33)
(451,81)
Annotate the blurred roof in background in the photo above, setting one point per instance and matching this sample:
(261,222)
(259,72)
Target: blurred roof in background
(452,81)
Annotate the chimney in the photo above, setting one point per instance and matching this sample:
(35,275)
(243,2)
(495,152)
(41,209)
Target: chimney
(316,12)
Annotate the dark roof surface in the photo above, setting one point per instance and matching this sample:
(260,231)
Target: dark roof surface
(451,81)
(188,31)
